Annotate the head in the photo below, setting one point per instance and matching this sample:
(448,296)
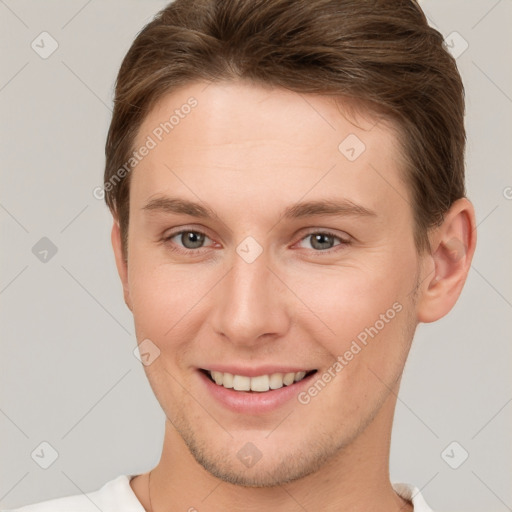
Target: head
(323,146)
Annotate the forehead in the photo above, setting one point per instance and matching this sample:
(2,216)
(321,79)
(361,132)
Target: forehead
(253,142)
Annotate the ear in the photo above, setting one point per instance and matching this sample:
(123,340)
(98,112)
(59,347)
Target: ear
(452,248)
(121,263)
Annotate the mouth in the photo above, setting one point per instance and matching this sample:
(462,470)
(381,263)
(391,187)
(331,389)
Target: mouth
(256,384)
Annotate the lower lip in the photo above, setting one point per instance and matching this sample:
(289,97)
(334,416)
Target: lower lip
(254,402)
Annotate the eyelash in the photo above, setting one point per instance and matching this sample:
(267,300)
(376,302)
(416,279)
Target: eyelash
(182,250)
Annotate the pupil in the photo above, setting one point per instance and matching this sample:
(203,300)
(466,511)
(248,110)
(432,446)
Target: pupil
(319,241)
(192,240)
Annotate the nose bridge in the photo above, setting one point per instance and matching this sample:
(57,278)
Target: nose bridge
(248,302)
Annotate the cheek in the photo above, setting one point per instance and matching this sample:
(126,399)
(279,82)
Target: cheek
(340,303)
(363,315)
(166,299)
(367,356)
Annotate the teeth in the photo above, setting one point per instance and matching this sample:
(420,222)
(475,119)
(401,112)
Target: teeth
(261,383)
(227,380)
(276,381)
(288,378)
(218,377)
(241,383)
(299,376)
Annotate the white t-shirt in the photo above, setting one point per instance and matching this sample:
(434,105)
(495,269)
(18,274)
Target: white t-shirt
(117,495)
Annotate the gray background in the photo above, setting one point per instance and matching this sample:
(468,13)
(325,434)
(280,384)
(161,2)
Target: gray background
(68,373)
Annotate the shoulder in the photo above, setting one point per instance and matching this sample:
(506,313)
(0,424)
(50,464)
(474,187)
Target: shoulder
(115,493)
(412,494)
(78,503)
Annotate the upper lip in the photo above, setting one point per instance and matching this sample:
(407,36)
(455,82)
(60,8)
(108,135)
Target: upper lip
(254,371)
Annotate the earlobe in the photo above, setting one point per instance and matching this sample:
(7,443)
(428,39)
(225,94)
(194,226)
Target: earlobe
(453,245)
(121,263)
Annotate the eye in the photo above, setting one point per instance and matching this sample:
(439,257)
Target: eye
(324,240)
(188,239)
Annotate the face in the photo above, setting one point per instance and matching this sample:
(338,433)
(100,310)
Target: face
(270,242)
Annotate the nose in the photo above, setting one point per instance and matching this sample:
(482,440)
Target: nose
(252,304)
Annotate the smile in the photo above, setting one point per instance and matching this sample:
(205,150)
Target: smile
(259,383)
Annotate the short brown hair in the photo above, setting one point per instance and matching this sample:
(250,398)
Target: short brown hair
(380,53)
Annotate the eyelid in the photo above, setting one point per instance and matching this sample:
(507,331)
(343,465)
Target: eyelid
(169,233)
(326,231)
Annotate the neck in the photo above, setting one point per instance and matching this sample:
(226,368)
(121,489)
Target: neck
(356,478)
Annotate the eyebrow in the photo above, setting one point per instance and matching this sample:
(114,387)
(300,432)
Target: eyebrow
(326,207)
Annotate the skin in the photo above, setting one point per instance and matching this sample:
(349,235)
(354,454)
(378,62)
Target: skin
(248,152)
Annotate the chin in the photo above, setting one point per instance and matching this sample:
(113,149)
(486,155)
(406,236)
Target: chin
(272,464)
(264,473)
